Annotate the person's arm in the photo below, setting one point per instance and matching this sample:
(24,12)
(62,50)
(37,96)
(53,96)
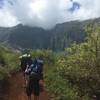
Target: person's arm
(28,69)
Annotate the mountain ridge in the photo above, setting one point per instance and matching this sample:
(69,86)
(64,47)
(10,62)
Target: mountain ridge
(58,38)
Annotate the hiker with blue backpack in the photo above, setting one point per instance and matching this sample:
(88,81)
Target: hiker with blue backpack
(35,78)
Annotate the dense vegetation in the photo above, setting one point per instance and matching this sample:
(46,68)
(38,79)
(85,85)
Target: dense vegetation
(70,75)
(76,72)
(8,61)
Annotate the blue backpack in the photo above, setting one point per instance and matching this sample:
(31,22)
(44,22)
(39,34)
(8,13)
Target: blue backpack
(38,64)
(35,67)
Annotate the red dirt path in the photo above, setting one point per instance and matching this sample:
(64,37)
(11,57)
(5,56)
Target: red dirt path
(15,90)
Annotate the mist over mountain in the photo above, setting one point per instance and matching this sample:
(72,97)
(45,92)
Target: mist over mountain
(58,38)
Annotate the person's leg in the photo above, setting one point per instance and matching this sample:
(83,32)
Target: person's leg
(29,89)
(26,79)
(34,86)
(36,89)
(23,77)
(29,97)
(36,97)
(41,84)
(23,72)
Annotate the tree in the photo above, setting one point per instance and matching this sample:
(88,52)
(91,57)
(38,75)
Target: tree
(81,64)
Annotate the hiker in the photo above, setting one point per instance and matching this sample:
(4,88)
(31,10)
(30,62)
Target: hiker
(35,81)
(25,60)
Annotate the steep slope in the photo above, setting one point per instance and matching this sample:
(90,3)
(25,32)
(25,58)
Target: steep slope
(28,37)
(61,36)
(4,33)
(64,34)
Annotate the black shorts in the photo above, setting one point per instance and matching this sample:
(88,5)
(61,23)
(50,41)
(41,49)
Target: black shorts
(33,85)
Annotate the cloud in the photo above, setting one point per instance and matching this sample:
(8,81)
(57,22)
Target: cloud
(6,17)
(1,3)
(47,13)
(89,9)
(75,6)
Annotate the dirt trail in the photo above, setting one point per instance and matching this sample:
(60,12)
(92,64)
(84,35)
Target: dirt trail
(15,90)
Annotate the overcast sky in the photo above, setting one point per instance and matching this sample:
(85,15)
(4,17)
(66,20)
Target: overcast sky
(46,13)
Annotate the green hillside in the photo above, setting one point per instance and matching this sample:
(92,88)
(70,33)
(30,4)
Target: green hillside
(8,61)
(58,38)
(73,74)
